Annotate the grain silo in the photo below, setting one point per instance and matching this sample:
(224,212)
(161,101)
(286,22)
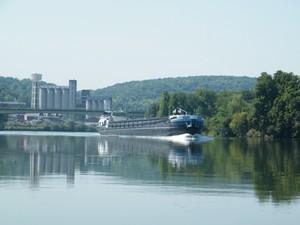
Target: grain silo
(72,94)
(58,98)
(42,98)
(65,98)
(36,79)
(50,98)
(107,104)
(89,104)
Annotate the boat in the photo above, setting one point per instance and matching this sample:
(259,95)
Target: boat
(179,122)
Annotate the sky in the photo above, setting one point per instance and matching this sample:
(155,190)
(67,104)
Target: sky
(103,42)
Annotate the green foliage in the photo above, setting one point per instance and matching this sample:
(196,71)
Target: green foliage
(204,102)
(138,95)
(228,106)
(239,124)
(265,91)
(201,102)
(272,109)
(152,110)
(163,109)
(277,105)
(12,89)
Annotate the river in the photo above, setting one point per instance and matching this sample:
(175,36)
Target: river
(76,178)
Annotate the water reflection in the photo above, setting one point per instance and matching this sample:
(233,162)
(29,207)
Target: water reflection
(185,156)
(33,157)
(269,168)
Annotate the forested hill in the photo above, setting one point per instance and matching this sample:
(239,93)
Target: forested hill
(13,89)
(136,95)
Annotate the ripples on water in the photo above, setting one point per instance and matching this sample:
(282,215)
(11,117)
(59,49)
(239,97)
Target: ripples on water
(265,171)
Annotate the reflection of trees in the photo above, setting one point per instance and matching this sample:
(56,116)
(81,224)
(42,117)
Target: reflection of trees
(277,169)
(229,159)
(272,168)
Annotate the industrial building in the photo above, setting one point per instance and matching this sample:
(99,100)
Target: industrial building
(84,95)
(52,97)
(94,104)
(36,79)
(65,97)
(72,93)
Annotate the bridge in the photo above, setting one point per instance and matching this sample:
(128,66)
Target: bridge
(65,111)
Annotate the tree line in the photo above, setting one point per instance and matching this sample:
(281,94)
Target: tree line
(272,109)
(137,95)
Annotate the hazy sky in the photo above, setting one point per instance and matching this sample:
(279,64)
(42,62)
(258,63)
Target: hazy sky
(100,43)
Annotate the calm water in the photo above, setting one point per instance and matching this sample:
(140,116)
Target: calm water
(62,179)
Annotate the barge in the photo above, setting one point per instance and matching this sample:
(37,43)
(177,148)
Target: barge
(180,122)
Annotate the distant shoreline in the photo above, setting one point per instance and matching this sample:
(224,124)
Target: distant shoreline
(46,130)
(49,133)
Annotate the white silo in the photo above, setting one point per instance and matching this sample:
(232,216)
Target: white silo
(72,93)
(89,104)
(50,98)
(36,79)
(57,98)
(42,98)
(107,104)
(65,98)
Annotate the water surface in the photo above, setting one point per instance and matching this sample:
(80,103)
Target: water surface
(58,178)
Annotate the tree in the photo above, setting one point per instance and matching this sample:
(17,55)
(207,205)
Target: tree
(152,110)
(205,102)
(178,100)
(277,104)
(265,94)
(239,124)
(285,111)
(164,104)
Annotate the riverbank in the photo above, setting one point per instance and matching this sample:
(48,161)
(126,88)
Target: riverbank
(68,126)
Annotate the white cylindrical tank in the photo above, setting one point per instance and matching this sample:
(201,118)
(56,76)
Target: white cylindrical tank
(42,98)
(72,94)
(57,98)
(88,104)
(65,98)
(107,104)
(35,77)
(50,98)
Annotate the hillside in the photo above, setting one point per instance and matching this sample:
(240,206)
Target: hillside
(135,95)
(12,89)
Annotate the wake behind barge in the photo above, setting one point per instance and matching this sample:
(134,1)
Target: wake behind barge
(177,123)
